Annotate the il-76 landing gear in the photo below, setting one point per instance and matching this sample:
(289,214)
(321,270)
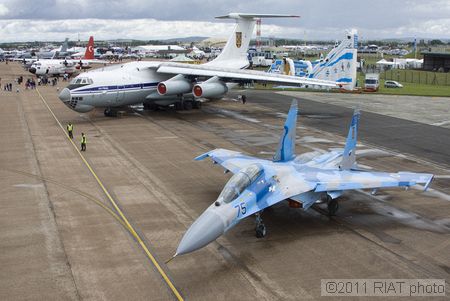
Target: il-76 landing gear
(109,112)
(332,205)
(260,227)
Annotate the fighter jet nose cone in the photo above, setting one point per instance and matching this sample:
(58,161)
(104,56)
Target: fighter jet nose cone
(207,228)
(32,70)
(64,95)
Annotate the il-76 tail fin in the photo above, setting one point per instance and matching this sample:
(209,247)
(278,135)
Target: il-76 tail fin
(234,54)
(349,156)
(286,146)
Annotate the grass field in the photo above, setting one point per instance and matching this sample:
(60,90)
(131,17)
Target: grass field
(408,89)
(411,88)
(417,77)
(416,89)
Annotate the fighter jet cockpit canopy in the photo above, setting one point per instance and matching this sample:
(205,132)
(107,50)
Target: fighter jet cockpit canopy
(239,182)
(79,82)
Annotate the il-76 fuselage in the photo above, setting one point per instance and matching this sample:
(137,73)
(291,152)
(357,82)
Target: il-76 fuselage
(137,82)
(107,88)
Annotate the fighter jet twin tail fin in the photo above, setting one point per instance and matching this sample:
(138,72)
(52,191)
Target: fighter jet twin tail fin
(349,154)
(286,146)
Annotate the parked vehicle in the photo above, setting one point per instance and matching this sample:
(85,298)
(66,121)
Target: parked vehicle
(372,82)
(392,84)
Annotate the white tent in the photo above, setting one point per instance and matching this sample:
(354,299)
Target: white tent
(383,64)
(182,59)
(156,48)
(196,53)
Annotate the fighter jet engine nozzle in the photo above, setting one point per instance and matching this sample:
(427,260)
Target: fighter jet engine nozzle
(207,228)
(210,90)
(175,85)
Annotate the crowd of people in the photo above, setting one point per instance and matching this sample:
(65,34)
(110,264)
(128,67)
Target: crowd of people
(30,83)
(7,87)
(44,80)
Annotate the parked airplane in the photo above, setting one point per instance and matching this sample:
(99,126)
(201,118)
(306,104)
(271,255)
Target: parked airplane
(167,83)
(84,53)
(303,180)
(339,65)
(65,66)
(57,53)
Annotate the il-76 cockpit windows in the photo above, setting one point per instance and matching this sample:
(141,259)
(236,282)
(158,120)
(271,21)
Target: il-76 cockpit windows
(80,82)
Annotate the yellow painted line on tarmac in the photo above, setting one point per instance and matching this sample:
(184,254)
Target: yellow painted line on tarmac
(116,207)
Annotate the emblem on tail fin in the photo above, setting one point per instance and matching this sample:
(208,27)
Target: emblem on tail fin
(238,39)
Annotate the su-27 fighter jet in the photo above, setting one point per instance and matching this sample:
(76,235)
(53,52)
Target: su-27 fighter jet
(304,180)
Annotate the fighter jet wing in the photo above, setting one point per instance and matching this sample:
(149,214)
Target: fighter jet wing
(345,180)
(230,160)
(236,75)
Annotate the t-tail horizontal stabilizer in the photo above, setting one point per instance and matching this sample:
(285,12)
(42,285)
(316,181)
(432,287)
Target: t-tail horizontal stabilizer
(286,146)
(234,54)
(349,155)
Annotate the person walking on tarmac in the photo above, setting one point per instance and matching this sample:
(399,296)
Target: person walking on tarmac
(83,142)
(70,130)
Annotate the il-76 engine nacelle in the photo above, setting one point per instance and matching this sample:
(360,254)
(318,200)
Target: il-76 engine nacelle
(212,88)
(176,85)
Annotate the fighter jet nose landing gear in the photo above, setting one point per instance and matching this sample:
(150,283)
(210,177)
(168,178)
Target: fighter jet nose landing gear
(260,227)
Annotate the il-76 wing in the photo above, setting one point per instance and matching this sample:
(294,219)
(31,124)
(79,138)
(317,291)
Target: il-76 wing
(236,75)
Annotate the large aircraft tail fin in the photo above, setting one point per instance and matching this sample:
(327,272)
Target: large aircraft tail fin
(89,54)
(234,54)
(349,154)
(340,64)
(286,146)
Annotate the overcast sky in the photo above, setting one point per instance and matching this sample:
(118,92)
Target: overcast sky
(30,20)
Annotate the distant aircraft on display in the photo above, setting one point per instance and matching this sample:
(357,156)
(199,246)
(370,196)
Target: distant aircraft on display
(339,65)
(303,180)
(168,83)
(53,67)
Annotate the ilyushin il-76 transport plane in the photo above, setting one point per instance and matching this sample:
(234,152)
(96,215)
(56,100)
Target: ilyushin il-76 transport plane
(303,180)
(168,83)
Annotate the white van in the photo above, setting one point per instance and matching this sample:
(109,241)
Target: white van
(372,82)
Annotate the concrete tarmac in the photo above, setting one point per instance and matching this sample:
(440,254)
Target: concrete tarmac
(57,242)
(398,131)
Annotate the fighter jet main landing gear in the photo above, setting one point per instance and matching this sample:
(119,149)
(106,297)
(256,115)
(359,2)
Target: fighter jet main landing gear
(332,205)
(260,227)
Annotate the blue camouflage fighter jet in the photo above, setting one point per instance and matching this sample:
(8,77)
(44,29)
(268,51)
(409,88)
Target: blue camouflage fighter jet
(303,180)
